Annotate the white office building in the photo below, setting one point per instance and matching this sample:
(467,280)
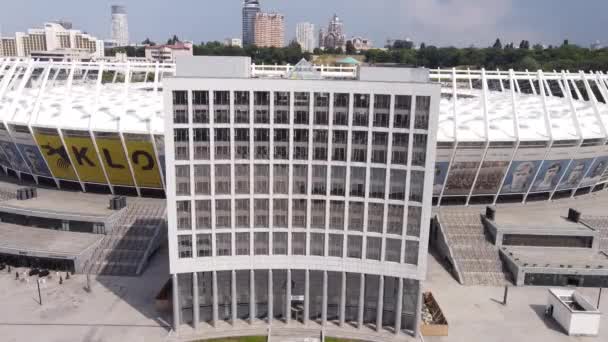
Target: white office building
(305,36)
(298,202)
(120,25)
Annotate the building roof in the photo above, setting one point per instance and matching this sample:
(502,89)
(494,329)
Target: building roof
(348,60)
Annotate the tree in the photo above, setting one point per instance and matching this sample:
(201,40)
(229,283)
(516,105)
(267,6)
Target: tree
(524,45)
(497,44)
(566,42)
(422,46)
(173,40)
(148,42)
(528,63)
(402,44)
(350,48)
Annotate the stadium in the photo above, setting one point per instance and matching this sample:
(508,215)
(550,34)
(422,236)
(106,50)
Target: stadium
(503,136)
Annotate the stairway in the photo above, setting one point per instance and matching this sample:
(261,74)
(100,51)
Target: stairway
(477,259)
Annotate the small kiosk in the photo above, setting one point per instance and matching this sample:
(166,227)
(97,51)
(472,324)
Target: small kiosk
(573,312)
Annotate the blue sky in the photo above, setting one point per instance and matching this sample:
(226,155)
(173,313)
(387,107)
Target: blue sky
(439,22)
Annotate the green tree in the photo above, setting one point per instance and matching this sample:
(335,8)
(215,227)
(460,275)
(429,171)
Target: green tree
(524,45)
(173,40)
(147,41)
(350,48)
(497,44)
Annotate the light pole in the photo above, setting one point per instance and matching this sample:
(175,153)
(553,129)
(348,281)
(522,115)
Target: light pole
(39,294)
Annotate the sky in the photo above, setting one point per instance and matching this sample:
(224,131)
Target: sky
(458,23)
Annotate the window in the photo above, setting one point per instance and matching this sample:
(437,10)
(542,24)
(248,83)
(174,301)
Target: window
(184,218)
(419,150)
(301,108)
(200,104)
(203,214)
(202,179)
(355,216)
(336,244)
(400,147)
(359,147)
(184,246)
(222,179)
(300,179)
(182,144)
(320,144)
(180,107)
(242,178)
(338,180)
(182,180)
(300,142)
(317,244)
(393,250)
(298,243)
(222,144)
(423,108)
(377,183)
(395,219)
(411,252)
(242,243)
(262,144)
(318,214)
(201,143)
(241,141)
(382,105)
(319,179)
(222,214)
(281,108)
(279,243)
(379,147)
(355,244)
(223,244)
(281,179)
(321,106)
(261,102)
(361,110)
(242,213)
(241,107)
(261,179)
(357,181)
(416,186)
(203,245)
(414,220)
(221,102)
(261,213)
(336,215)
(374,245)
(281,144)
(397,185)
(299,213)
(403,107)
(341,107)
(375,217)
(280,211)
(260,243)
(339,142)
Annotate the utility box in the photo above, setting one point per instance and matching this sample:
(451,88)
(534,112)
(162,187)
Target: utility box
(573,312)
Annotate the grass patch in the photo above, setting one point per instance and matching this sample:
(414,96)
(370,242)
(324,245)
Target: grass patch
(238,339)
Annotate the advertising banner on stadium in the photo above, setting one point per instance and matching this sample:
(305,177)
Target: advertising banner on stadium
(114,159)
(442,162)
(29,150)
(493,169)
(463,170)
(595,172)
(143,160)
(552,169)
(10,150)
(579,167)
(523,169)
(81,149)
(55,153)
(160,150)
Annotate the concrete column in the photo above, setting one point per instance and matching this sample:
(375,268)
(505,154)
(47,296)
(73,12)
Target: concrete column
(399,307)
(306,296)
(215,309)
(361,301)
(324,301)
(195,303)
(288,297)
(251,296)
(380,305)
(343,300)
(270,298)
(418,310)
(233,295)
(176,305)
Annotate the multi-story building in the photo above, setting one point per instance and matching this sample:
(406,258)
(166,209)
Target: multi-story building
(305,36)
(250,9)
(334,37)
(298,201)
(361,44)
(269,30)
(120,25)
(52,37)
(236,42)
(168,53)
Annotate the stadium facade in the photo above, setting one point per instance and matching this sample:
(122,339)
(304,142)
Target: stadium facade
(501,135)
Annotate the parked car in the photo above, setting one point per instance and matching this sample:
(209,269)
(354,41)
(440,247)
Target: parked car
(34,271)
(43,273)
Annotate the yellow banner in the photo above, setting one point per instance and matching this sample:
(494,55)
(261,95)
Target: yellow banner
(81,149)
(143,160)
(55,154)
(114,159)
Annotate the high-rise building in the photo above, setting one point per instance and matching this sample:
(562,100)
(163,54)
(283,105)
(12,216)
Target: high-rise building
(305,36)
(52,37)
(250,9)
(120,26)
(298,201)
(269,30)
(334,37)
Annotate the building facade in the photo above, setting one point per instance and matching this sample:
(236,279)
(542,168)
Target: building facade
(362,44)
(120,25)
(168,53)
(250,9)
(54,36)
(334,37)
(269,30)
(299,201)
(236,42)
(305,36)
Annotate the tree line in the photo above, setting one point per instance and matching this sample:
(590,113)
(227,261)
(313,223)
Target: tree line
(497,56)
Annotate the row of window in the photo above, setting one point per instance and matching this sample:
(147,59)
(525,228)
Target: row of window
(402,105)
(319,175)
(242,247)
(239,145)
(395,215)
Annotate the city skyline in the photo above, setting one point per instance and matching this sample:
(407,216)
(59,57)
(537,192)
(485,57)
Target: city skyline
(442,23)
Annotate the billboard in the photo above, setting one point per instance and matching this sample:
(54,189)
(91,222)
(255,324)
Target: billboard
(463,170)
(11,152)
(595,172)
(143,160)
(493,169)
(55,153)
(578,167)
(550,173)
(526,162)
(82,151)
(114,159)
(29,150)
